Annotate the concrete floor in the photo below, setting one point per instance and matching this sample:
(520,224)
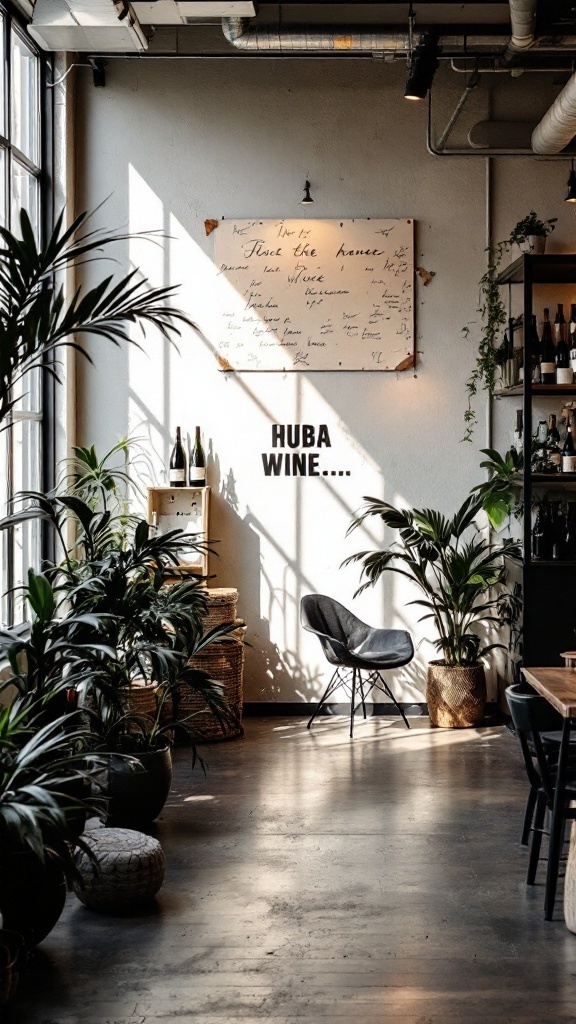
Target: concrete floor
(311,879)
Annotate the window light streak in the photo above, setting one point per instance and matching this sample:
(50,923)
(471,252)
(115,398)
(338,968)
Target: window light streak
(299,526)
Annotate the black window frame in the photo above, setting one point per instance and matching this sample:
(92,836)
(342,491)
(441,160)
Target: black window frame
(14,21)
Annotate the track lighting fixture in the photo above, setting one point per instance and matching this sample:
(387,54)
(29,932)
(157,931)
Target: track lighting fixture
(423,67)
(307,197)
(571,197)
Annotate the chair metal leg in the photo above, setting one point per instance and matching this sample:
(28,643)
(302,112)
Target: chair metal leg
(327,693)
(536,843)
(528,815)
(386,689)
(557,823)
(361,685)
(353,703)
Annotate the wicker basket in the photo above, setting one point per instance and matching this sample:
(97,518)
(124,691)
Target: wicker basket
(456,695)
(139,698)
(223,661)
(222,603)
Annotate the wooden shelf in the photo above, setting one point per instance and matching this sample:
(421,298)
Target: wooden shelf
(183,508)
(541,563)
(537,389)
(549,268)
(566,481)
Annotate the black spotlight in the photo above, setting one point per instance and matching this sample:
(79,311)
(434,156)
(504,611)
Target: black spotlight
(307,197)
(571,197)
(423,67)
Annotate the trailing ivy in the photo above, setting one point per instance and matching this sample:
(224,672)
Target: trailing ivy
(493,315)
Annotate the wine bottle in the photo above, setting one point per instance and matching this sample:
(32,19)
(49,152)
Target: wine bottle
(568,453)
(197,463)
(541,545)
(572,337)
(570,540)
(535,351)
(559,325)
(547,352)
(518,431)
(507,365)
(542,432)
(177,474)
(553,434)
(554,452)
(564,374)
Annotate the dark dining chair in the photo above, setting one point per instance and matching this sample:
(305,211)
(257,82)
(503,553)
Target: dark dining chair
(360,652)
(530,716)
(550,727)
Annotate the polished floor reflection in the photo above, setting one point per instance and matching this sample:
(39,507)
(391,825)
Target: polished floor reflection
(310,878)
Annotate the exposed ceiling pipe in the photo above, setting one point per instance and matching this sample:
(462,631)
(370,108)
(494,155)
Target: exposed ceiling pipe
(244,35)
(558,126)
(523,26)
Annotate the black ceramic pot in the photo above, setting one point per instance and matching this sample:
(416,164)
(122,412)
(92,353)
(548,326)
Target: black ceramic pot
(32,893)
(137,797)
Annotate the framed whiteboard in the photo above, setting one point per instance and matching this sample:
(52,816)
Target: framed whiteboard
(315,294)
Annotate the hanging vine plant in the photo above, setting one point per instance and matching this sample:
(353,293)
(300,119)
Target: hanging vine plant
(493,316)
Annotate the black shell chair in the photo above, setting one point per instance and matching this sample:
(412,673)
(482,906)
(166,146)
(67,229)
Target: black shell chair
(354,648)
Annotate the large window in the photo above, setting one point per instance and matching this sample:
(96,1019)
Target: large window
(20,186)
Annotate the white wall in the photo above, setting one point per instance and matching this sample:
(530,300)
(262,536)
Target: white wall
(173,143)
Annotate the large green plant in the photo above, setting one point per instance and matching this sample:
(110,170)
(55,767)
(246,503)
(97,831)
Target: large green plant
(453,568)
(35,317)
(124,595)
(52,654)
(38,763)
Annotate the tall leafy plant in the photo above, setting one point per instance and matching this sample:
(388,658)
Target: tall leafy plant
(453,570)
(36,319)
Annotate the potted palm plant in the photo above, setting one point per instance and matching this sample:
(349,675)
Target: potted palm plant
(455,570)
(35,318)
(38,764)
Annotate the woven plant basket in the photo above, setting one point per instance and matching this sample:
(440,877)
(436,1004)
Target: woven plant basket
(456,695)
(222,603)
(223,661)
(139,698)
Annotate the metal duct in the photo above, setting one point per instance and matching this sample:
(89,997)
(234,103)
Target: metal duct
(86,25)
(245,36)
(558,126)
(523,26)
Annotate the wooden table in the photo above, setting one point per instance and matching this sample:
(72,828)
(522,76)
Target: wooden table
(558,686)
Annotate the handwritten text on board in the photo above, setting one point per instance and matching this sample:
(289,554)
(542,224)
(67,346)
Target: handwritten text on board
(315,294)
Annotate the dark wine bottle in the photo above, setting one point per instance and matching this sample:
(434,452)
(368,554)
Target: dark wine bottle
(547,352)
(572,337)
(557,530)
(568,453)
(535,351)
(519,431)
(570,541)
(177,474)
(559,325)
(541,539)
(553,434)
(564,374)
(197,463)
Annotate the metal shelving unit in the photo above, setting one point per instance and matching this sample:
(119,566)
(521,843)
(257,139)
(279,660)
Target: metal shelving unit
(548,587)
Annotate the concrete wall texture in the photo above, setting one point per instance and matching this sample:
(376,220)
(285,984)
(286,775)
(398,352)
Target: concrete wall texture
(169,144)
